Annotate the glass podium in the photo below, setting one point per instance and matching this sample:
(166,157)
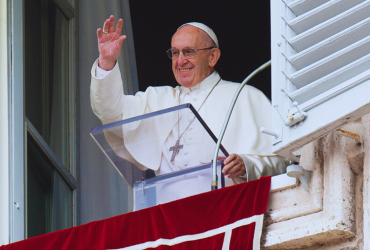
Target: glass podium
(164,155)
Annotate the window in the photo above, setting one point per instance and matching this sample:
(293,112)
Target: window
(49,109)
(49,198)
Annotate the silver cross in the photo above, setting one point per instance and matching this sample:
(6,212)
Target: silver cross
(175,150)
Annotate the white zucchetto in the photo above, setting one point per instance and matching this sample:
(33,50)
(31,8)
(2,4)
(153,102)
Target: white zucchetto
(205,28)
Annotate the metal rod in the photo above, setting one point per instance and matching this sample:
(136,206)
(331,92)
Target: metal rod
(269,132)
(226,122)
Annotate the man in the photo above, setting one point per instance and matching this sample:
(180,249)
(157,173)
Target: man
(194,53)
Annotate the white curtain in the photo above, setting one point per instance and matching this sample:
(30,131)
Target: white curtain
(102,192)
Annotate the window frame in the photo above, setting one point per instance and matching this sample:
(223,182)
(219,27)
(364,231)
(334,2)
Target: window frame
(4,131)
(16,121)
(19,126)
(69,176)
(57,164)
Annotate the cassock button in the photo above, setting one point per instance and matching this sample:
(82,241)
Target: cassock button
(194,99)
(190,129)
(189,138)
(185,153)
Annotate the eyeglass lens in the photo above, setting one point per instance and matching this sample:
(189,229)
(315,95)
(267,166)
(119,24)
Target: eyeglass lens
(187,52)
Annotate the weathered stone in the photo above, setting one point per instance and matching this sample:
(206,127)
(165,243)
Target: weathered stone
(335,213)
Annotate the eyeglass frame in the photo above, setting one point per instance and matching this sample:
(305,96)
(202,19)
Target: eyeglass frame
(181,50)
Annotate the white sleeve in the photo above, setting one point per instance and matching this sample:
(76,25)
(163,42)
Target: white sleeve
(106,93)
(257,166)
(101,73)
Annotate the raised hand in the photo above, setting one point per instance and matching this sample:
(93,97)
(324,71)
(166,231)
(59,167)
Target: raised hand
(110,43)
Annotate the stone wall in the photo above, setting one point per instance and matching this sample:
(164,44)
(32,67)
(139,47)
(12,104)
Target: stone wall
(335,212)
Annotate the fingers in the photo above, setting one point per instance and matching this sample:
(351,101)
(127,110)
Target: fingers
(230,158)
(98,33)
(106,26)
(238,171)
(111,24)
(234,166)
(121,39)
(119,26)
(110,42)
(228,162)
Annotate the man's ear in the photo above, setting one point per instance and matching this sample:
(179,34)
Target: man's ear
(216,53)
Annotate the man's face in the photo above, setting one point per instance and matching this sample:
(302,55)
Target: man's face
(190,71)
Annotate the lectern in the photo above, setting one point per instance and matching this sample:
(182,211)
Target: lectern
(136,144)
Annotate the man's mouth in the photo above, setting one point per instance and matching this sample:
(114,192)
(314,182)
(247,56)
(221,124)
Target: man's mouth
(184,70)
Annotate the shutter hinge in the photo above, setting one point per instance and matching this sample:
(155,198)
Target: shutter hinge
(293,118)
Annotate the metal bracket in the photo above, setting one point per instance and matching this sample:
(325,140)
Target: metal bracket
(277,137)
(296,171)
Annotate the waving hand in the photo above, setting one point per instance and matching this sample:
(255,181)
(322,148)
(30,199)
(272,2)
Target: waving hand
(110,43)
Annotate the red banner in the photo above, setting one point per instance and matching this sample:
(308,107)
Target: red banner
(227,218)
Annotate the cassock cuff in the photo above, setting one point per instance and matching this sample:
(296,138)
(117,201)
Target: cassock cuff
(254,166)
(257,166)
(99,73)
(106,94)
(248,167)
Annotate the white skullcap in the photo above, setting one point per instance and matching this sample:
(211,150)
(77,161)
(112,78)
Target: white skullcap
(205,28)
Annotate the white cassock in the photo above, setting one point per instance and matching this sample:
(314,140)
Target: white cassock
(243,137)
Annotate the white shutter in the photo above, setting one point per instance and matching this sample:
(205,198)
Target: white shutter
(320,61)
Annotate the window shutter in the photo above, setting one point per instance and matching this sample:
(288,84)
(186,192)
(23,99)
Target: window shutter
(320,68)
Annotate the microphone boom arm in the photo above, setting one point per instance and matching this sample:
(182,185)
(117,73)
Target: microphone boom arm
(214,183)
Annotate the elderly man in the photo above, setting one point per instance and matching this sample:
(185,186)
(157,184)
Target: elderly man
(194,53)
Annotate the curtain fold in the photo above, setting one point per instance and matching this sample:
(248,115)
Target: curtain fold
(108,195)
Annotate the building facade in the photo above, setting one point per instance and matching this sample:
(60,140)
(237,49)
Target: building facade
(53,175)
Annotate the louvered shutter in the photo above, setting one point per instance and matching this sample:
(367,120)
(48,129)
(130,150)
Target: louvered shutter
(320,68)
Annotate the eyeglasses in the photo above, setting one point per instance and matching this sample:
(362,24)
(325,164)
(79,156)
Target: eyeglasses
(188,52)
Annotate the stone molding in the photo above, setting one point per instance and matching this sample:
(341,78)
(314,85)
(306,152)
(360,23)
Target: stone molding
(334,213)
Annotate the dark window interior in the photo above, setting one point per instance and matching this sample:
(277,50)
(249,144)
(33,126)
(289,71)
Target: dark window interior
(242,28)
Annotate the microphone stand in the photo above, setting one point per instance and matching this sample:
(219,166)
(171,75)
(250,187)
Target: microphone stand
(214,183)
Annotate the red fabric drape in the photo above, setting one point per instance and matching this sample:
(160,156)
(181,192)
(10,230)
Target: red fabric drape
(188,216)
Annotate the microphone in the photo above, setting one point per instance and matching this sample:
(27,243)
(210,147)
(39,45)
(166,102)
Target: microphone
(214,183)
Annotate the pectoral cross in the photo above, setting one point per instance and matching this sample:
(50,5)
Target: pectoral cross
(175,150)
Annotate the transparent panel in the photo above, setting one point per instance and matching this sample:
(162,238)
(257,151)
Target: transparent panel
(166,141)
(49,199)
(174,186)
(47,74)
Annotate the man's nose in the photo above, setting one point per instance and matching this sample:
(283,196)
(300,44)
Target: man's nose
(181,59)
